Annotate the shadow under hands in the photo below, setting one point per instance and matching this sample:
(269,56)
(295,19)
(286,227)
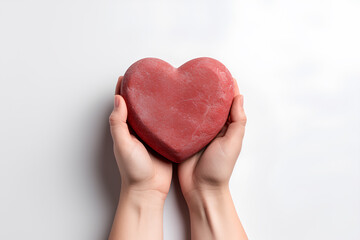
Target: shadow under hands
(107,171)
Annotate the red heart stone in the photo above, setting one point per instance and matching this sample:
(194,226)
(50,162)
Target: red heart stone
(177,111)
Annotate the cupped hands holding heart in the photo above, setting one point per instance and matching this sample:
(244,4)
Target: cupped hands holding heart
(212,139)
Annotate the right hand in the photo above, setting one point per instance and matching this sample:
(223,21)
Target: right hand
(210,169)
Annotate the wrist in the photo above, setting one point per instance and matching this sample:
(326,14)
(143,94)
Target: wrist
(202,196)
(143,197)
(139,215)
(213,214)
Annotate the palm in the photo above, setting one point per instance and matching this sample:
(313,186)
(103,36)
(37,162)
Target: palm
(205,166)
(212,166)
(144,168)
(139,165)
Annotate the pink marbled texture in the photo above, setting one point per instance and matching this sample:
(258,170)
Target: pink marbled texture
(177,111)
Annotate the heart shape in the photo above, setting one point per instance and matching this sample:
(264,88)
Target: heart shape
(177,111)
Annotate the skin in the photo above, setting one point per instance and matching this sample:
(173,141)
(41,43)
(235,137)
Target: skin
(145,181)
(205,185)
(146,178)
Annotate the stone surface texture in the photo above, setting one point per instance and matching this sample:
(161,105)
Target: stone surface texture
(177,111)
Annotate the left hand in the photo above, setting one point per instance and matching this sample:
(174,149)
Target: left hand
(141,169)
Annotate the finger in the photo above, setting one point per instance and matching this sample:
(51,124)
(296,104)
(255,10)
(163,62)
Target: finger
(236,88)
(228,120)
(119,129)
(236,129)
(118,85)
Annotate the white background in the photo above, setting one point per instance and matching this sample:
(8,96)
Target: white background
(296,62)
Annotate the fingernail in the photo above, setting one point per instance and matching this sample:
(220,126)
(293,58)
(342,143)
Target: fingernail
(116,101)
(242,100)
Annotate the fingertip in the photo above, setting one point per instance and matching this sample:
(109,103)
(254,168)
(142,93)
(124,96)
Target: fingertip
(242,115)
(123,107)
(120,110)
(123,102)
(236,108)
(241,100)
(237,100)
(236,88)
(236,128)
(117,100)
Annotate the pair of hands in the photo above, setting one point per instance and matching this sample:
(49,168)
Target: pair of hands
(144,171)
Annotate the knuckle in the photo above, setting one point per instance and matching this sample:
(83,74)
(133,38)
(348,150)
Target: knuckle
(112,119)
(244,120)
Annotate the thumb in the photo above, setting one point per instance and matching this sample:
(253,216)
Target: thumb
(119,129)
(236,129)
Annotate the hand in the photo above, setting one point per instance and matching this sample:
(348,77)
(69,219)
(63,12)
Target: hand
(145,181)
(204,180)
(141,169)
(211,168)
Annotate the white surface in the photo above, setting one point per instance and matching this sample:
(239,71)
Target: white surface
(297,64)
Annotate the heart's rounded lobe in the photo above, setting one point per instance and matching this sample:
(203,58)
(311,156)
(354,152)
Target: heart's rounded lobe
(177,111)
